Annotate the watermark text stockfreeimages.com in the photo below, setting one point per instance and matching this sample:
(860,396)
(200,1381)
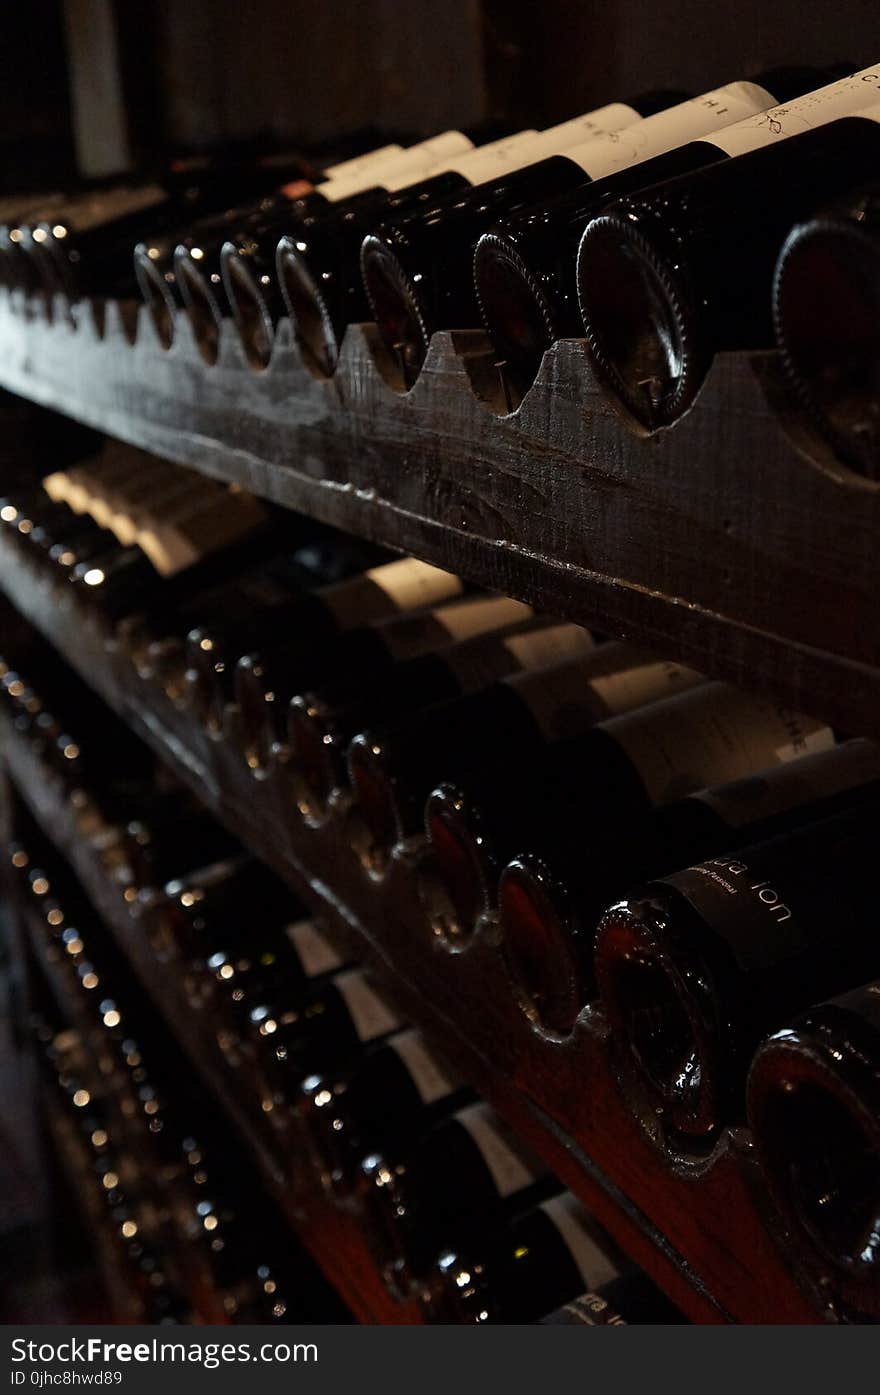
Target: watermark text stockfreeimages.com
(27,1355)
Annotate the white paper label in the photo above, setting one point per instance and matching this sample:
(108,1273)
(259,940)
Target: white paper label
(799,782)
(852,96)
(573,1224)
(709,736)
(568,698)
(411,584)
(399,171)
(633,687)
(373,159)
(313,950)
(370,1015)
(507,1161)
(477,617)
(701,116)
(426,1073)
(550,645)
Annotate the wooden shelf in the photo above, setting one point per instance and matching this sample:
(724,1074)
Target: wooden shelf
(331,1234)
(700,1230)
(721,541)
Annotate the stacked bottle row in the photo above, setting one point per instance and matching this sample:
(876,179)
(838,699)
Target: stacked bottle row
(456,1209)
(548,773)
(651,226)
(183,1209)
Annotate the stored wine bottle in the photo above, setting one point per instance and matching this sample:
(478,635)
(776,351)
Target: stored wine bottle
(419,273)
(825,293)
(193,910)
(393,771)
(264,685)
(814,1105)
(318,1031)
(549,907)
(318,266)
(398,1091)
(466,1175)
(323,721)
(248,290)
(248,263)
(628,1300)
(169,838)
(154,259)
(524,268)
(237,580)
(653,339)
(476,825)
(542,1259)
(250,965)
(83,248)
(307,624)
(697,967)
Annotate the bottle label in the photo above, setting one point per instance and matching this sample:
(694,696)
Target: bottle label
(410,584)
(609,151)
(398,171)
(633,687)
(772,901)
(507,1160)
(370,1015)
(471,618)
(568,699)
(551,644)
(573,1224)
(797,783)
(852,96)
(372,159)
(710,736)
(427,1075)
(313,950)
(590,1310)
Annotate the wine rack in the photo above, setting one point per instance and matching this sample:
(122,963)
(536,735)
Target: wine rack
(330,1233)
(733,541)
(698,1228)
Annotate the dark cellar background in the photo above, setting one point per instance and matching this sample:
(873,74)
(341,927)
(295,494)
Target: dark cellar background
(108,85)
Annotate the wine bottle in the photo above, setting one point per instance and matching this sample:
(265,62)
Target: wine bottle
(210,295)
(541,1260)
(467,1174)
(83,247)
(699,965)
(267,566)
(396,1092)
(392,771)
(247,967)
(264,684)
(323,721)
(814,1103)
(628,1300)
(418,273)
(308,622)
(824,293)
(320,1030)
(549,906)
(476,824)
(671,311)
(192,909)
(318,265)
(154,258)
(524,267)
(248,263)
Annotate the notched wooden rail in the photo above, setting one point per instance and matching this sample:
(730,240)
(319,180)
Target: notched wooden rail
(733,540)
